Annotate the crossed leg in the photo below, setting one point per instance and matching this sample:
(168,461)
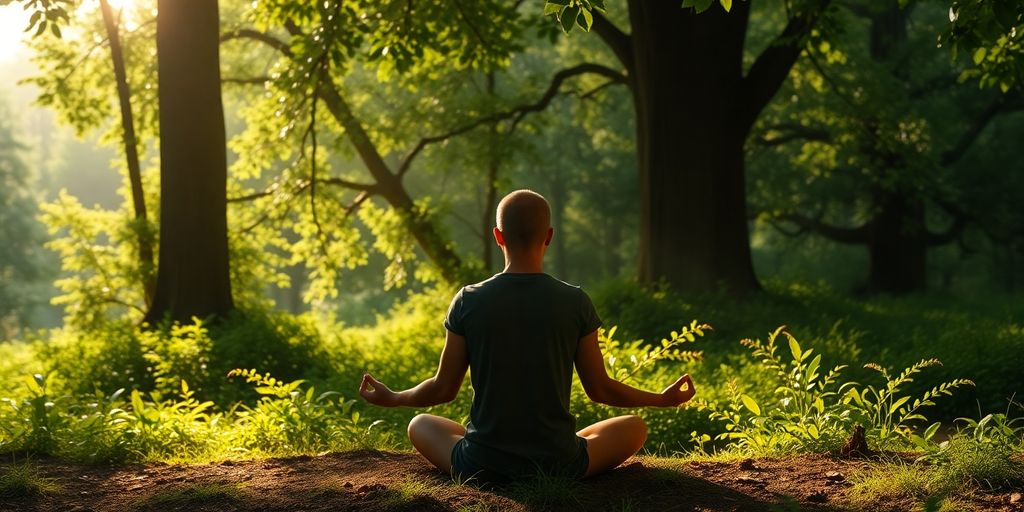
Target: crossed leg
(610,442)
(434,437)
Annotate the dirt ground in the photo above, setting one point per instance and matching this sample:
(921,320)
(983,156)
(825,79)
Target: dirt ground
(376,481)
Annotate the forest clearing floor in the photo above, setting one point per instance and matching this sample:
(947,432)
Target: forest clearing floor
(379,481)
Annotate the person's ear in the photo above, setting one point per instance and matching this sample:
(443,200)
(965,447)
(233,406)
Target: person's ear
(498,237)
(547,240)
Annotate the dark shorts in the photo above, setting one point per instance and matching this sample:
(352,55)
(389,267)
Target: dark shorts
(465,470)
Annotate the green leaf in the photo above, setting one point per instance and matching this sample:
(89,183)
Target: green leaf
(749,403)
(896,405)
(727,5)
(568,18)
(588,19)
(979,55)
(553,8)
(703,5)
(930,431)
(794,348)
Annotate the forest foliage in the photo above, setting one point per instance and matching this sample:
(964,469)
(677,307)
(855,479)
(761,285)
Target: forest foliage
(368,143)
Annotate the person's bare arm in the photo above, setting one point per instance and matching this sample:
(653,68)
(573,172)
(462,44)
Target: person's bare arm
(605,390)
(441,388)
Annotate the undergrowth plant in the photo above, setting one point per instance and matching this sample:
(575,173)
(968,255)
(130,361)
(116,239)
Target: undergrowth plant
(889,412)
(288,419)
(801,413)
(626,360)
(810,410)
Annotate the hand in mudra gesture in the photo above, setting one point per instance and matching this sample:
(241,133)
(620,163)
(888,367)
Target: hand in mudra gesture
(676,394)
(375,392)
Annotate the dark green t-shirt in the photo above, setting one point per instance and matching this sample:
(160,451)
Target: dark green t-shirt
(521,331)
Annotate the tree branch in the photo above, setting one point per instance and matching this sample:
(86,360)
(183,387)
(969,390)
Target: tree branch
(858,235)
(516,114)
(792,132)
(772,67)
(269,40)
(1000,105)
(255,80)
(618,41)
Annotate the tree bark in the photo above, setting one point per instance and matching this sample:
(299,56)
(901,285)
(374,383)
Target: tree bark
(193,278)
(897,245)
(559,198)
(491,195)
(131,153)
(691,130)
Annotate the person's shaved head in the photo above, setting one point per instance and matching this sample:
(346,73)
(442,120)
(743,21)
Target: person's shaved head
(524,218)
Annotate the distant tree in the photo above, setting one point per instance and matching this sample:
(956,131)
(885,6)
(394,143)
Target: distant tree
(877,128)
(193,271)
(695,104)
(21,263)
(193,276)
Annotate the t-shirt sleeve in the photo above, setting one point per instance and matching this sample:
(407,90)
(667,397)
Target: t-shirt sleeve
(589,321)
(453,320)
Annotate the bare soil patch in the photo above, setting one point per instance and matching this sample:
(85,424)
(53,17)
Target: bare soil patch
(384,481)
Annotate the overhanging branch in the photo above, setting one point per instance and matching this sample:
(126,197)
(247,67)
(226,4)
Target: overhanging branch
(516,114)
(858,235)
(256,35)
(618,41)
(772,66)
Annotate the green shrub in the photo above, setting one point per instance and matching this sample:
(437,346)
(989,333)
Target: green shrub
(288,419)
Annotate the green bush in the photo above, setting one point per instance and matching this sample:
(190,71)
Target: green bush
(290,418)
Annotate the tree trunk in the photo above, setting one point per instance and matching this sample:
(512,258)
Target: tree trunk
(193,276)
(690,136)
(131,153)
(612,240)
(491,202)
(897,245)
(559,197)
(424,229)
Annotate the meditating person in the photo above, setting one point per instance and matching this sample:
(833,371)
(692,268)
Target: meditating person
(520,333)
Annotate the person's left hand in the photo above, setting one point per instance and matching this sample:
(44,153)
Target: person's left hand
(375,392)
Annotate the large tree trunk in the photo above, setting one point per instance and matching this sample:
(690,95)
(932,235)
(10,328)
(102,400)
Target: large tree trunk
(559,198)
(131,153)
(897,245)
(687,84)
(193,273)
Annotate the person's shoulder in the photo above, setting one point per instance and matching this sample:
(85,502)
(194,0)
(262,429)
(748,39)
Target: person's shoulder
(476,288)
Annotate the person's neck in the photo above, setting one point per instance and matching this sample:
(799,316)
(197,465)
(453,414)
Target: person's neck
(527,266)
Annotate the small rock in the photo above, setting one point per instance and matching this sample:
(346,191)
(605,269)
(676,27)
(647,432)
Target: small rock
(1015,498)
(748,464)
(835,476)
(347,485)
(817,497)
(84,493)
(750,480)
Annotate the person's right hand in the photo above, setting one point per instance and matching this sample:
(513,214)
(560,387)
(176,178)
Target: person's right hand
(375,392)
(675,394)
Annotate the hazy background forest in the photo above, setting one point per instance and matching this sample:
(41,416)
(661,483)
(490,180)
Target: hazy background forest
(851,170)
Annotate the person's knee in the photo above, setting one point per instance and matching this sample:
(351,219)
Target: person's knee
(416,425)
(637,425)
